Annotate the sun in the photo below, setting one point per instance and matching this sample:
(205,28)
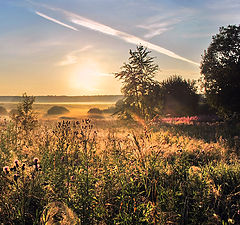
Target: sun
(86,77)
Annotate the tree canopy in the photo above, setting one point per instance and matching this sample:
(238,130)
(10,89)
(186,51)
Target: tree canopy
(139,86)
(220,69)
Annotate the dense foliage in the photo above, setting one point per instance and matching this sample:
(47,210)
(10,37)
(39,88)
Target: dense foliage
(139,87)
(220,68)
(144,97)
(179,96)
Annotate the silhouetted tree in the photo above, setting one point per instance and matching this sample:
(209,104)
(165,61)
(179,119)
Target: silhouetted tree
(220,68)
(179,96)
(139,87)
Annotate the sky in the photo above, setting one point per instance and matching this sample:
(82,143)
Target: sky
(74,47)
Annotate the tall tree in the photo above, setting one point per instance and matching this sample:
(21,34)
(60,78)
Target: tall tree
(139,87)
(220,69)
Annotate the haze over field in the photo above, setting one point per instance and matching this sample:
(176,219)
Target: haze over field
(74,47)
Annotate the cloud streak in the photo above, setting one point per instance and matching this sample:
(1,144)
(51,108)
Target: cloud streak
(55,21)
(72,57)
(158,28)
(93,25)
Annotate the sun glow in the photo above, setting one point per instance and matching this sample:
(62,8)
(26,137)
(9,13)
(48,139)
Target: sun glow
(86,77)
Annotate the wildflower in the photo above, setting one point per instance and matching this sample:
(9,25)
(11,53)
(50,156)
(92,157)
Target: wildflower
(35,161)
(6,169)
(16,163)
(37,167)
(23,166)
(15,177)
(121,206)
(134,205)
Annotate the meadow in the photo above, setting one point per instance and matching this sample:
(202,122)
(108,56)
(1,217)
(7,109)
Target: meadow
(106,171)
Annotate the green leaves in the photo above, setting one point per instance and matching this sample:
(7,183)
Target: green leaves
(220,68)
(138,84)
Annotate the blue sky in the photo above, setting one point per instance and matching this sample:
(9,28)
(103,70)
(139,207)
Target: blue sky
(72,47)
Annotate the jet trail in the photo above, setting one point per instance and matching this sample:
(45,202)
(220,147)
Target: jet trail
(55,21)
(93,25)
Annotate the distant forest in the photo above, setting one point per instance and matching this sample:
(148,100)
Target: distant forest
(97,98)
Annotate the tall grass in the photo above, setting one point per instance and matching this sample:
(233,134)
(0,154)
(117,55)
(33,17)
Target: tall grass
(81,172)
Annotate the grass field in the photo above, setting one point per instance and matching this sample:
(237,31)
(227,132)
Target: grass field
(77,109)
(96,171)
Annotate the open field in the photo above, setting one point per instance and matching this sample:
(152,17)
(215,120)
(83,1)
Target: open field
(116,172)
(77,109)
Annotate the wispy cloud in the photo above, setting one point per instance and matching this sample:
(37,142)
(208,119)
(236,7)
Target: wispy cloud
(93,25)
(55,21)
(158,28)
(72,57)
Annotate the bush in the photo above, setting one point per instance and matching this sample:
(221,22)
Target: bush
(95,111)
(57,110)
(180,97)
(3,111)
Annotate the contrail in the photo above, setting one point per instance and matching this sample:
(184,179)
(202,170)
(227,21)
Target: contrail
(93,25)
(55,21)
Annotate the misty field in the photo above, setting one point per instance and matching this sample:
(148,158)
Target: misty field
(77,109)
(97,171)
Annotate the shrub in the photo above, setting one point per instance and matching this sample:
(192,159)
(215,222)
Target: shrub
(95,111)
(25,118)
(57,110)
(179,95)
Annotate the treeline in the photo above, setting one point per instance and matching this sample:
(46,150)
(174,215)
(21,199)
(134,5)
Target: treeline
(146,97)
(220,83)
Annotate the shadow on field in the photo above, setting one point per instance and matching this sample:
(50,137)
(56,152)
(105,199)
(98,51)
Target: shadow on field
(229,133)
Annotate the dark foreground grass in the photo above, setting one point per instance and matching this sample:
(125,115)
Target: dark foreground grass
(78,173)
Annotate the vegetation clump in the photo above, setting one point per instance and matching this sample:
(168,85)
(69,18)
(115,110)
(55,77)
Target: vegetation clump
(220,69)
(145,97)
(141,91)
(94,111)
(25,118)
(179,96)
(57,110)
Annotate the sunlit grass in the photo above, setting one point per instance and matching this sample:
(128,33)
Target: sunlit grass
(116,172)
